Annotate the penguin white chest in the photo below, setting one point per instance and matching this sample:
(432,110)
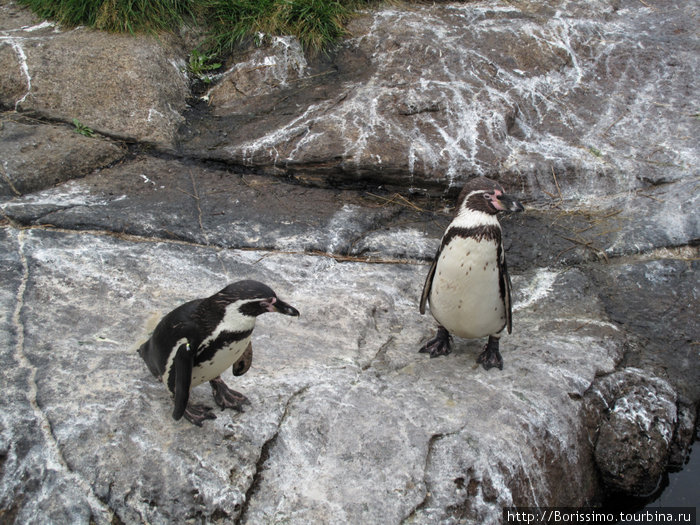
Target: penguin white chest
(230,351)
(465,294)
(222,360)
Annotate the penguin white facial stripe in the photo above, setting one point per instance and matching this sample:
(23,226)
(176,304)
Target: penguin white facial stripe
(468,218)
(233,321)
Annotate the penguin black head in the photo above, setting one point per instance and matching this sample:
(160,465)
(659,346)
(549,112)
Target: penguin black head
(487,196)
(255,297)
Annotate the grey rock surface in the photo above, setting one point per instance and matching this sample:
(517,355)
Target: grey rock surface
(664,317)
(29,155)
(427,96)
(205,205)
(311,444)
(124,86)
(348,423)
(218,206)
(272,65)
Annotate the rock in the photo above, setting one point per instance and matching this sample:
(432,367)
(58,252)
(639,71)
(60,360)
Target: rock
(348,423)
(270,213)
(266,68)
(655,298)
(125,86)
(36,157)
(77,305)
(425,97)
(206,205)
(636,430)
(684,435)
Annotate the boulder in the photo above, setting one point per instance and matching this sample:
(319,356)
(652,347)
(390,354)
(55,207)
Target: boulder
(635,431)
(348,421)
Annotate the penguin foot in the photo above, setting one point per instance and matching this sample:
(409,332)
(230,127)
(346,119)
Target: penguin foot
(227,398)
(438,345)
(198,414)
(491,357)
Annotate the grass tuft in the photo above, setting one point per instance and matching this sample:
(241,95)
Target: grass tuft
(317,23)
(115,15)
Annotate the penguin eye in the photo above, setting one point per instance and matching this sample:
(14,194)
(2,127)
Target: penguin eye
(487,196)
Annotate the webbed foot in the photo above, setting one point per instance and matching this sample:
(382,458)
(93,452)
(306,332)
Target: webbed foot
(438,345)
(491,357)
(198,414)
(227,398)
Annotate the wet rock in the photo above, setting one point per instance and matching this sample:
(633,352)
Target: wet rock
(636,429)
(684,435)
(206,205)
(656,301)
(36,157)
(126,86)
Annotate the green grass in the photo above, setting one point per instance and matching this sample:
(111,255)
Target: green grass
(317,23)
(116,15)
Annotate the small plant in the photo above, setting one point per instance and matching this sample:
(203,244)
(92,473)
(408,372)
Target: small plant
(595,151)
(199,66)
(82,129)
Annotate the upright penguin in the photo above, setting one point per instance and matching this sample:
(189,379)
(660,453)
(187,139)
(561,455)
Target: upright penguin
(200,339)
(468,286)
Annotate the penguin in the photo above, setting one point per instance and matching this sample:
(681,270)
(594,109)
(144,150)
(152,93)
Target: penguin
(200,339)
(468,286)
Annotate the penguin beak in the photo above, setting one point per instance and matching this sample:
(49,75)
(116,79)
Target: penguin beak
(277,305)
(507,203)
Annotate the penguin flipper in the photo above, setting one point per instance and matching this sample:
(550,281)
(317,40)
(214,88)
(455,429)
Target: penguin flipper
(241,366)
(505,287)
(429,282)
(182,368)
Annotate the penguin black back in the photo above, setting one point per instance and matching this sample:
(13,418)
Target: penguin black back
(178,324)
